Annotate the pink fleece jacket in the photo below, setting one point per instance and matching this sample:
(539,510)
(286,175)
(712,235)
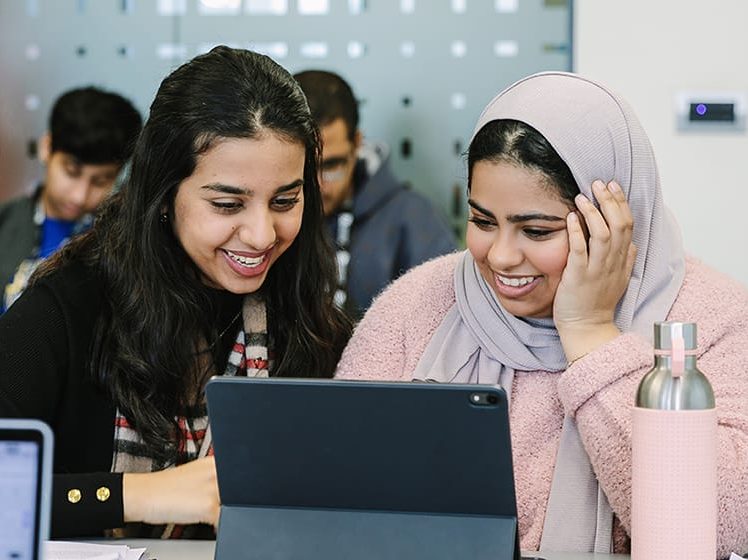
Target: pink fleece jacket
(598,390)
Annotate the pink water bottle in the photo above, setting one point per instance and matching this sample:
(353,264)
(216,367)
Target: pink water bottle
(674,461)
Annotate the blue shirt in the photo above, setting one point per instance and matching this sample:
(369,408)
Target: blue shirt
(54,233)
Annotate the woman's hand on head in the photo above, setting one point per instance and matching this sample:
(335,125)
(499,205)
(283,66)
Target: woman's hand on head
(185,494)
(597,272)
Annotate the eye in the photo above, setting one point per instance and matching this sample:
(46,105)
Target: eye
(226,206)
(101,183)
(482,223)
(283,204)
(535,233)
(72,170)
(332,164)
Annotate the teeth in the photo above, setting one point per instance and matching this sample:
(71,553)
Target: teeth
(246,261)
(515,282)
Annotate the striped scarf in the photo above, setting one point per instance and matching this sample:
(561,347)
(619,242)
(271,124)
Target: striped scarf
(249,356)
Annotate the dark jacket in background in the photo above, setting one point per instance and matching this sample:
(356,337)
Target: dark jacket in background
(394,229)
(19,235)
(22,243)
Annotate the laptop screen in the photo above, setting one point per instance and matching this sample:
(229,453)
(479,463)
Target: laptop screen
(25,460)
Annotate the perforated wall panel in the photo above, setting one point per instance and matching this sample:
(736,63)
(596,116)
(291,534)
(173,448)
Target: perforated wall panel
(422,69)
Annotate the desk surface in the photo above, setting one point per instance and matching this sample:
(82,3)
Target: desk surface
(157,549)
(204,550)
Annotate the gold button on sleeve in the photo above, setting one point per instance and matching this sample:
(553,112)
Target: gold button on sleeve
(103,493)
(74,495)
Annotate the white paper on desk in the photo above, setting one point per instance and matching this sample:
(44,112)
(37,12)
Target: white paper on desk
(57,550)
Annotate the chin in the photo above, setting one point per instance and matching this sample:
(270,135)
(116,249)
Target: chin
(525,310)
(244,288)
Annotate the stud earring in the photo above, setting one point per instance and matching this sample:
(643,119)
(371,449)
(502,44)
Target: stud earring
(163,218)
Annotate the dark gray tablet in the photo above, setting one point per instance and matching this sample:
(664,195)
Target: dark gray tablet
(25,486)
(327,470)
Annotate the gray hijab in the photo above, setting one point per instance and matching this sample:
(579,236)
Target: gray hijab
(598,137)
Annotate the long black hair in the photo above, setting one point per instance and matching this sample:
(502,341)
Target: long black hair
(147,344)
(515,142)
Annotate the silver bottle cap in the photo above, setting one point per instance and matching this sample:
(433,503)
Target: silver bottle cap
(667,387)
(666,331)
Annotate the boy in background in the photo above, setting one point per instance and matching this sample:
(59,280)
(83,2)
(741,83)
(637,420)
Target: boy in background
(91,135)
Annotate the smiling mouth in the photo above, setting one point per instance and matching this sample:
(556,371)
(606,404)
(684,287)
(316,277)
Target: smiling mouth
(515,287)
(248,262)
(516,282)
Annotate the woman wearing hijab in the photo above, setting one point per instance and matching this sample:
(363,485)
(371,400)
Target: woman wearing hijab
(572,256)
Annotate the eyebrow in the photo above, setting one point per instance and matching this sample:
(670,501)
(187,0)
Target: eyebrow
(229,189)
(334,159)
(518,218)
(74,161)
(70,158)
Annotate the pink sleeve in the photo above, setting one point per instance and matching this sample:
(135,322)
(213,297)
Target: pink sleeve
(396,329)
(600,389)
(376,350)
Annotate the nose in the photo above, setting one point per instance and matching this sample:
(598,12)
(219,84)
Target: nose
(505,252)
(80,192)
(257,231)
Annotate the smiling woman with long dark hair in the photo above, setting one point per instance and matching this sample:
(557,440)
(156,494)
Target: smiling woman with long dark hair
(212,259)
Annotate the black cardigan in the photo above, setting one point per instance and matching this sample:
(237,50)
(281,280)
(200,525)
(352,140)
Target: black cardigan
(45,341)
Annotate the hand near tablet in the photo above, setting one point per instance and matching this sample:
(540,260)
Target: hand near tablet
(185,494)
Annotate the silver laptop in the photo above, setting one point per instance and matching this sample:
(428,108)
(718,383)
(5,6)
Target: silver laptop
(25,488)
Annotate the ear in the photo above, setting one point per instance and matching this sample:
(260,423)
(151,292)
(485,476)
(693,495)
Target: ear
(44,147)
(358,139)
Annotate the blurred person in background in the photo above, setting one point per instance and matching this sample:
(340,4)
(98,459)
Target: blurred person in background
(380,228)
(91,135)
